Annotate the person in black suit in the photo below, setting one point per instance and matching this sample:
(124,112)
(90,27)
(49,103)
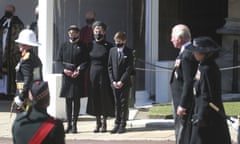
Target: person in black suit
(101,99)
(73,56)
(209,127)
(120,67)
(182,82)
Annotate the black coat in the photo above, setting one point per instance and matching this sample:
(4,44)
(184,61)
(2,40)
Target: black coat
(182,93)
(100,100)
(28,69)
(25,126)
(208,126)
(11,57)
(73,56)
(182,80)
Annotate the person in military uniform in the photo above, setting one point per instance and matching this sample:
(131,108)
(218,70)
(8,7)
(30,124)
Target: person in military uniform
(182,82)
(10,27)
(36,125)
(101,99)
(29,68)
(73,56)
(209,126)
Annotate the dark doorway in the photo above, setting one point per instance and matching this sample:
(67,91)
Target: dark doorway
(203,17)
(138,12)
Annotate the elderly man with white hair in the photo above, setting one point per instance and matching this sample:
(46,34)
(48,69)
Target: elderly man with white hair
(182,82)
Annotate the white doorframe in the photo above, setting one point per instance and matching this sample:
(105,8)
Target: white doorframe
(151,42)
(45,34)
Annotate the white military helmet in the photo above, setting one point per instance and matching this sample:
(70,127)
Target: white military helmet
(27,37)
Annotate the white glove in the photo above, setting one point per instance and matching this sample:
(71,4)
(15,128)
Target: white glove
(18,101)
(235,124)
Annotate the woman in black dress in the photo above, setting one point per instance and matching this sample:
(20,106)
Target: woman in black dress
(209,127)
(101,100)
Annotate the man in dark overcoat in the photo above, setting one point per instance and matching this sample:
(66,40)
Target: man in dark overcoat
(35,125)
(10,27)
(182,82)
(73,56)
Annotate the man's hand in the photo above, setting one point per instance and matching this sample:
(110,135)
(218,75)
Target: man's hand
(119,84)
(181,111)
(234,123)
(18,101)
(115,85)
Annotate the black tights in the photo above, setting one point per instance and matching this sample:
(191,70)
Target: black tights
(72,103)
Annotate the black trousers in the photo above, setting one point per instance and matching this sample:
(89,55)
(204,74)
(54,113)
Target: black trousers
(121,97)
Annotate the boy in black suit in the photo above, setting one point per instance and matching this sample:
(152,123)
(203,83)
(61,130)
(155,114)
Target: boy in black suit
(120,67)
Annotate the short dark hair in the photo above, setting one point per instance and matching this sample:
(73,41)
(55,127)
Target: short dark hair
(101,24)
(120,35)
(73,27)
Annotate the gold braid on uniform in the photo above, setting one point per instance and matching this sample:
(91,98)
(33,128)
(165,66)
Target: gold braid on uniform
(41,95)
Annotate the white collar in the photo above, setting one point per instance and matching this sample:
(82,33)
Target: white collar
(120,49)
(184,46)
(7,22)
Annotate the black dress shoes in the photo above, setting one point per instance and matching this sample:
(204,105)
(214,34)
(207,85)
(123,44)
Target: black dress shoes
(69,129)
(97,129)
(74,129)
(114,130)
(104,128)
(121,130)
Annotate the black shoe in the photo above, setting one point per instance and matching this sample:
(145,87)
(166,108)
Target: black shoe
(97,129)
(121,130)
(114,130)
(74,129)
(104,128)
(69,128)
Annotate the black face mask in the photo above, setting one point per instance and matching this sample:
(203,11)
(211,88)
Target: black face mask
(74,38)
(119,45)
(98,36)
(8,14)
(90,21)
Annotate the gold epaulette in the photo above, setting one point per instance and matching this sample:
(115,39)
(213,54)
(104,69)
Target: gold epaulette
(26,56)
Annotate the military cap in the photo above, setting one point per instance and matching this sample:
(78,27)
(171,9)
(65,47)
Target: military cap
(99,23)
(39,90)
(73,27)
(204,44)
